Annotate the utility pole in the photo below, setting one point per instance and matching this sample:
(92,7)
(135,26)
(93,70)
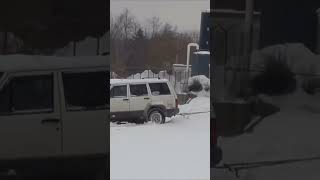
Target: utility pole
(74,48)
(248,24)
(248,27)
(98,46)
(318,32)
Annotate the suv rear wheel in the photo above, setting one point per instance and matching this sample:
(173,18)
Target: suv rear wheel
(156,116)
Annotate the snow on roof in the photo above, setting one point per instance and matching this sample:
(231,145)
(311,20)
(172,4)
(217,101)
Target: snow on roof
(202,52)
(180,65)
(207,10)
(9,63)
(125,81)
(232,11)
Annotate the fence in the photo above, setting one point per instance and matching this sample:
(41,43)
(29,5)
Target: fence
(179,79)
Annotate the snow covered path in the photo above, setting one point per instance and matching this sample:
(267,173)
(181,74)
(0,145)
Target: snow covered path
(178,149)
(290,134)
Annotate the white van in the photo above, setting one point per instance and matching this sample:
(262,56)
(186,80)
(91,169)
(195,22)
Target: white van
(52,109)
(142,99)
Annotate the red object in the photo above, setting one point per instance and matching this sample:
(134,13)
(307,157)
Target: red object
(214,132)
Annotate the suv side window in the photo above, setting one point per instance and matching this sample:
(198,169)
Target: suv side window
(86,90)
(159,89)
(138,90)
(119,91)
(27,93)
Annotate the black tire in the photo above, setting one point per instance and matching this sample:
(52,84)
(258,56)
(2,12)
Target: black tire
(157,116)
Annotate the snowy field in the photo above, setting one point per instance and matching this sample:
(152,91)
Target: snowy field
(178,149)
(293,133)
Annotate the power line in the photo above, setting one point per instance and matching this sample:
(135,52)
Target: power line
(162,0)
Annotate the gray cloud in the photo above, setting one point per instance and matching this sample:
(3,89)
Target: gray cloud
(185,14)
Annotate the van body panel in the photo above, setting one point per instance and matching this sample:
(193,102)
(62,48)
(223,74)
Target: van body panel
(84,131)
(24,134)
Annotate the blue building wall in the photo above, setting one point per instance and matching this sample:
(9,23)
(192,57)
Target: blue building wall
(200,64)
(200,60)
(206,25)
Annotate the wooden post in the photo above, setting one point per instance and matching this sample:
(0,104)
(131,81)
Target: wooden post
(74,48)
(318,32)
(177,57)
(98,46)
(245,64)
(248,27)
(5,42)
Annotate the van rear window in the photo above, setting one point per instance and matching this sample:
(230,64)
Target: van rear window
(87,90)
(159,88)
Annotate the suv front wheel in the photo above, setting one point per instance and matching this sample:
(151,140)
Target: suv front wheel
(156,116)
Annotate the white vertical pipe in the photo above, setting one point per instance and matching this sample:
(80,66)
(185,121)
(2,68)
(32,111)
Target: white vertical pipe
(188,54)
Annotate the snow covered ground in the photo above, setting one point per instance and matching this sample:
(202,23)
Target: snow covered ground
(292,133)
(178,149)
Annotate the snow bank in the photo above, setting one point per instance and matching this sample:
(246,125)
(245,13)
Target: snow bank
(198,104)
(299,58)
(205,85)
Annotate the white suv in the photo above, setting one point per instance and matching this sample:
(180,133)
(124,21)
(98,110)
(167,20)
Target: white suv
(142,99)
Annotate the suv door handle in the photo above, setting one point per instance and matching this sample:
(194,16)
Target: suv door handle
(146,98)
(50,121)
(125,99)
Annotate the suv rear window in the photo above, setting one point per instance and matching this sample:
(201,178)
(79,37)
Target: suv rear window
(86,90)
(138,90)
(159,88)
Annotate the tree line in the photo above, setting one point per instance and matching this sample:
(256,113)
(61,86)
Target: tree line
(153,45)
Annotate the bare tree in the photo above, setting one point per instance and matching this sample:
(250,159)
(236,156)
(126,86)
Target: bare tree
(195,36)
(155,25)
(126,21)
(154,45)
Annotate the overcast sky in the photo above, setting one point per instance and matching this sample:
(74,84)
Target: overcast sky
(186,14)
